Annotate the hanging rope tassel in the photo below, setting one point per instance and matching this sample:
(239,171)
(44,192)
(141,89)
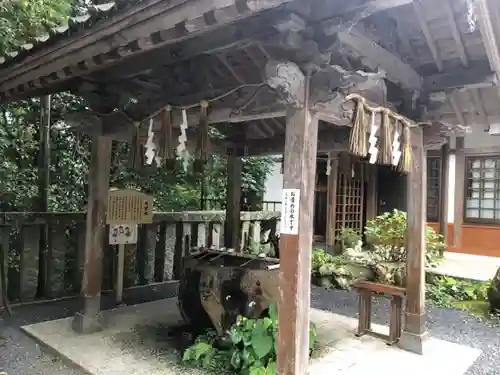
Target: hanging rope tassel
(203,139)
(405,163)
(167,149)
(357,138)
(385,140)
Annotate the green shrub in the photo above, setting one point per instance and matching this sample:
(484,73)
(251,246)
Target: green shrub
(321,258)
(386,234)
(249,348)
(349,237)
(445,290)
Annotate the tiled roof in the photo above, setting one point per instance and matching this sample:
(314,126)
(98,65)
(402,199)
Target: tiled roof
(74,26)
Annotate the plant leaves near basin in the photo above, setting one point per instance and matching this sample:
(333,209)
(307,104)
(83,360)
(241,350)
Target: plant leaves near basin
(262,344)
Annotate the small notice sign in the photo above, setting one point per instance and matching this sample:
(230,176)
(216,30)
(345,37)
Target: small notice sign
(122,234)
(290,211)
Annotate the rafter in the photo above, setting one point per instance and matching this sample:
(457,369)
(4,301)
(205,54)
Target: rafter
(488,33)
(157,26)
(456,109)
(419,12)
(377,57)
(480,111)
(455,32)
(477,75)
(323,10)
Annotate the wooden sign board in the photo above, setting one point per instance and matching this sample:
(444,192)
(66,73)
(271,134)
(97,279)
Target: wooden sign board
(127,206)
(121,234)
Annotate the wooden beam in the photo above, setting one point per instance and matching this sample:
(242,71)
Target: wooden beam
(419,12)
(232,225)
(488,33)
(377,57)
(119,127)
(323,9)
(296,239)
(89,319)
(336,138)
(452,22)
(414,332)
(477,75)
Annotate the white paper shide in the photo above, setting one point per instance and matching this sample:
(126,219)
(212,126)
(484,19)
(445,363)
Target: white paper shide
(290,211)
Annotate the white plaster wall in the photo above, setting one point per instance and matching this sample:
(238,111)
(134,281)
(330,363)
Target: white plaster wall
(274,184)
(478,138)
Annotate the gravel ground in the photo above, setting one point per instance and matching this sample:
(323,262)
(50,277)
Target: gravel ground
(20,355)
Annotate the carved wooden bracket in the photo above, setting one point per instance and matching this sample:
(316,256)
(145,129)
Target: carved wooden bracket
(288,80)
(437,132)
(330,86)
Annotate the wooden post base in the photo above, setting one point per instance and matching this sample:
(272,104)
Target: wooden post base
(90,320)
(414,343)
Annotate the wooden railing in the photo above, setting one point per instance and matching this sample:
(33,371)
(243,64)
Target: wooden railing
(34,273)
(217,204)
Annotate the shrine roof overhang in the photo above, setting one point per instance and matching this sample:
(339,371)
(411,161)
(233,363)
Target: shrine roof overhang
(139,56)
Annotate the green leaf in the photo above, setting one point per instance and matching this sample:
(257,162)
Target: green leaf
(262,345)
(236,360)
(271,368)
(247,357)
(261,326)
(257,371)
(201,349)
(236,335)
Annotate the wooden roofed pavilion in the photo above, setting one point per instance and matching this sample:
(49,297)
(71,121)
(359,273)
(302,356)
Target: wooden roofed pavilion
(273,76)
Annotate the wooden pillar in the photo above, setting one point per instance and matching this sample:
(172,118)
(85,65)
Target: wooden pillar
(372,192)
(232,227)
(459,192)
(296,237)
(331,214)
(443,189)
(414,333)
(89,319)
(43,189)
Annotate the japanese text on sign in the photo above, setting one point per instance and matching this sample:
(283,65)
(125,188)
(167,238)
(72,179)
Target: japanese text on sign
(290,211)
(122,234)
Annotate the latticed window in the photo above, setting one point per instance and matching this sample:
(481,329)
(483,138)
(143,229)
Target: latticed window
(482,188)
(433,187)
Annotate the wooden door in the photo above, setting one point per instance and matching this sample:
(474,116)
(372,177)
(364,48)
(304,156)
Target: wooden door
(351,197)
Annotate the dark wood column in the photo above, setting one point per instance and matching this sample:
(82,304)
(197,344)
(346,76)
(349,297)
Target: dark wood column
(296,232)
(43,190)
(89,319)
(414,332)
(459,192)
(372,201)
(331,215)
(444,190)
(232,226)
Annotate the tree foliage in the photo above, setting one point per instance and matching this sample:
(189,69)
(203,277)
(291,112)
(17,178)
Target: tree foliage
(20,21)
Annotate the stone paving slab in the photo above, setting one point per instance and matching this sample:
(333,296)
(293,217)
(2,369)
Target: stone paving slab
(135,342)
(468,266)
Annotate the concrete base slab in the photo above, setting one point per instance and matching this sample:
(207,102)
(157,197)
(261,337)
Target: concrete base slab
(135,342)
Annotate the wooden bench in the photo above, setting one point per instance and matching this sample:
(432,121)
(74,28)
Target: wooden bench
(397,295)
